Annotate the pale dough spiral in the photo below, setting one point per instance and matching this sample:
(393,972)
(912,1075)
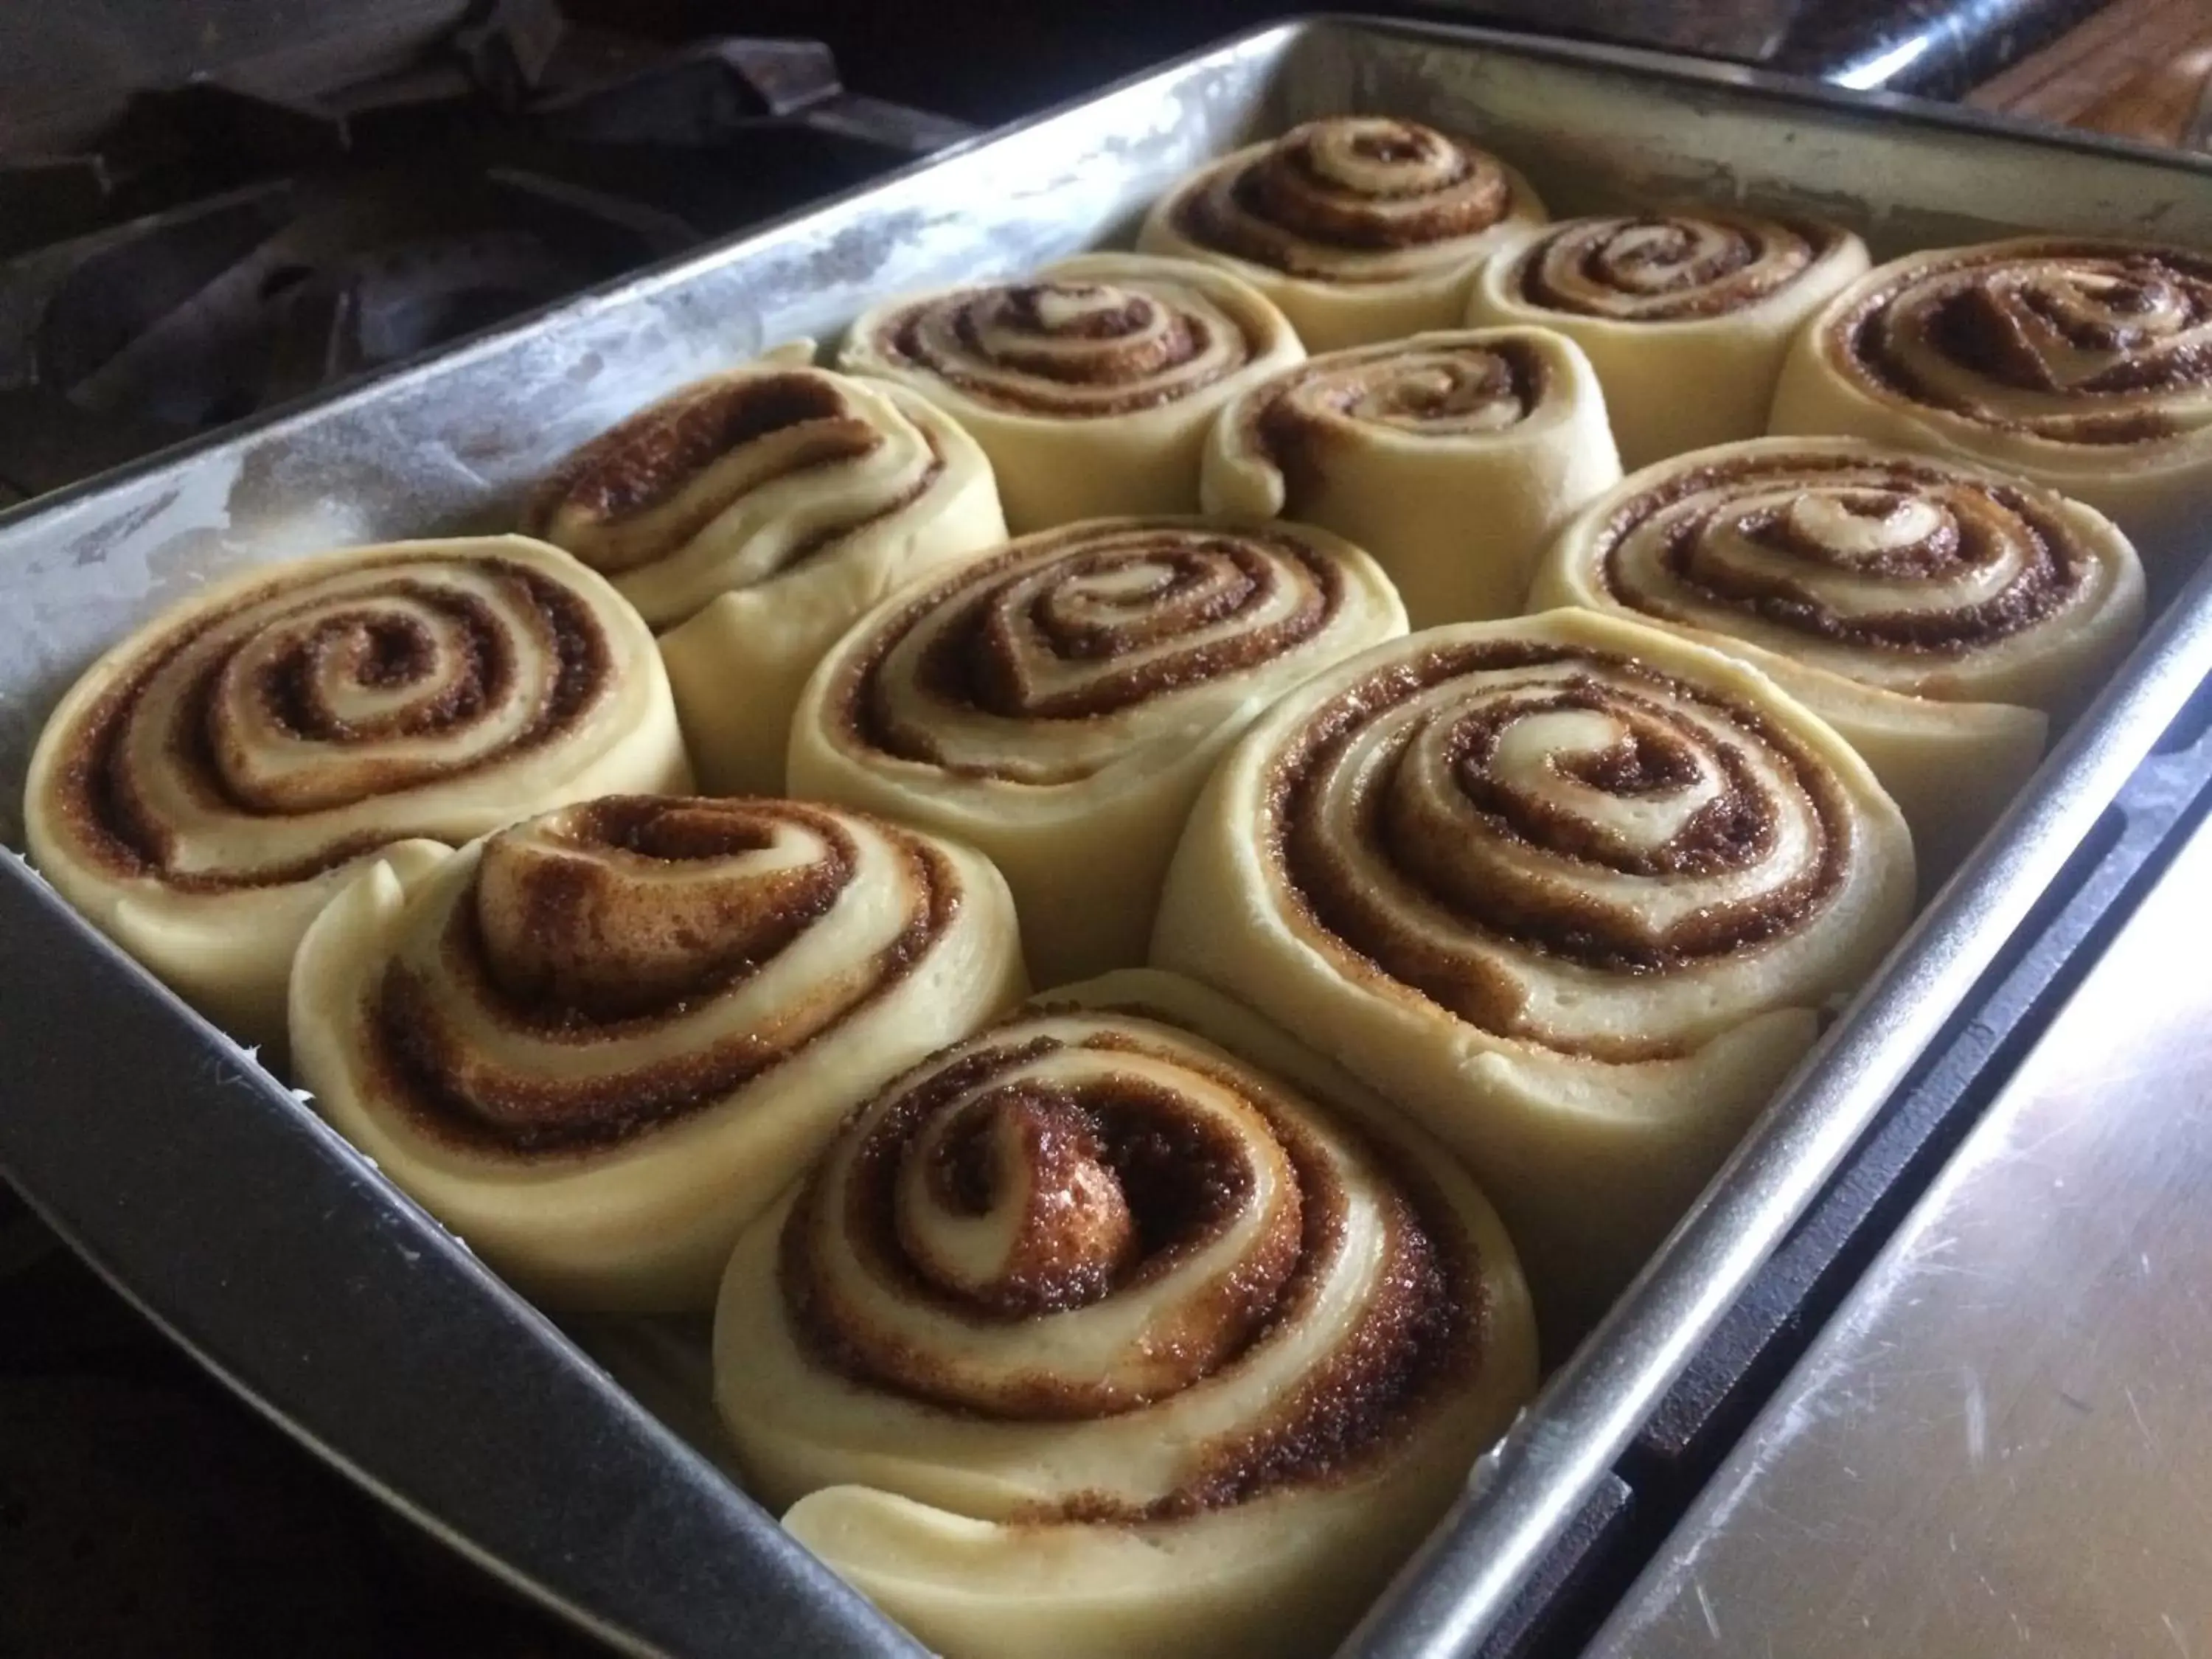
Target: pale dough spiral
(1128,1325)
(1091,385)
(599,1042)
(755,514)
(1450,456)
(1568,888)
(209,783)
(1938,615)
(2085,366)
(1686,316)
(1059,704)
(1362,228)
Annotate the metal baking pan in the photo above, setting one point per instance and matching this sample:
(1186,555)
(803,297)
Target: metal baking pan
(223,1207)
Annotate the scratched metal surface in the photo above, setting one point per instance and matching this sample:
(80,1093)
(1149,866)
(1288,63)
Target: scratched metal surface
(450,444)
(1999,1446)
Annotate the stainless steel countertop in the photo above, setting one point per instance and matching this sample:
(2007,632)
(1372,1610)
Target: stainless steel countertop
(2001,1444)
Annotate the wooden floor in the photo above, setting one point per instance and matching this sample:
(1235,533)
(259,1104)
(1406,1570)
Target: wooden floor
(2137,69)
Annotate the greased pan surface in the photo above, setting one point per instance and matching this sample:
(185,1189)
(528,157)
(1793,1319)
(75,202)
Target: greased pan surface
(217,1202)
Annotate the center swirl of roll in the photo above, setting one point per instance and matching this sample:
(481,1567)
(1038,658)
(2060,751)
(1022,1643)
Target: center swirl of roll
(1350,184)
(1080,1215)
(1031,667)
(1667,268)
(1419,389)
(1071,349)
(283,736)
(2076,343)
(1887,556)
(1476,821)
(782,463)
(612,966)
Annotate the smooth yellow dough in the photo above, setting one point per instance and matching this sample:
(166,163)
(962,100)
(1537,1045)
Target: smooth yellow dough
(1361,229)
(1569,888)
(1938,615)
(1686,316)
(597,1044)
(755,514)
(1097,672)
(1451,457)
(2084,365)
(430,691)
(1198,1241)
(1091,384)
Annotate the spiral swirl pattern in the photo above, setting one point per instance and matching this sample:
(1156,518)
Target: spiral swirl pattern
(578,990)
(1089,385)
(1070,349)
(1668,268)
(1361,228)
(1436,386)
(2085,365)
(1915,574)
(1451,457)
(1510,865)
(207,782)
(746,478)
(1057,703)
(1350,199)
(1162,1282)
(1687,317)
(2075,343)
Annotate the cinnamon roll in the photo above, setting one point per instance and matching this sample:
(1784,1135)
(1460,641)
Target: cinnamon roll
(1933,613)
(1686,316)
(1570,888)
(1091,384)
(215,778)
(2085,366)
(599,1042)
(763,509)
(1059,704)
(1130,1326)
(1452,458)
(1362,228)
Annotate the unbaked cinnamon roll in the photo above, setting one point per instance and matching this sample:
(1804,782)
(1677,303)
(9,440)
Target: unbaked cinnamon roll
(599,1042)
(1686,316)
(1130,1326)
(1059,704)
(1091,384)
(756,513)
(1570,889)
(1935,614)
(2085,366)
(1362,228)
(209,783)
(1452,458)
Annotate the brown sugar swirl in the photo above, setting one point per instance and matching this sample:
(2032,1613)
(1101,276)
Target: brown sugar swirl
(1479,820)
(1569,886)
(1672,267)
(1031,665)
(1350,184)
(207,782)
(1057,703)
(1363,228)
(1067,347)
(1938,615)
(2080,342)
(2085,366)
(1158,1281)
(741,481)
(707,981)
(1434,387)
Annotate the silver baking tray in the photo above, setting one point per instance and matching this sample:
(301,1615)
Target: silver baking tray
(221,1205)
